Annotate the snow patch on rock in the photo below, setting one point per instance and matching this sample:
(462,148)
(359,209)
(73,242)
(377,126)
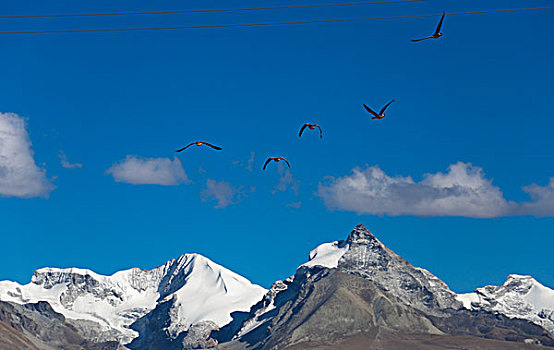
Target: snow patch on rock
(327,254)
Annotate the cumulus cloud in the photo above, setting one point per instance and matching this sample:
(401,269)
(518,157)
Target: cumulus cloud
(149,171)
(286,180)
(461,191)
(19,174)
(66,164)
(542,200)
(222,192)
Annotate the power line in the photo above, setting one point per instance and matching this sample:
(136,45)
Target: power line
(208,10)
(268,23)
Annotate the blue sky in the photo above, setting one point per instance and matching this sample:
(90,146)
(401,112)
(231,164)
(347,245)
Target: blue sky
(482,95)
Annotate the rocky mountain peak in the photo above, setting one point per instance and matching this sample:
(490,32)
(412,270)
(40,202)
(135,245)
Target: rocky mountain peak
(360,234)
(361,250)
(365,256)
(365,252)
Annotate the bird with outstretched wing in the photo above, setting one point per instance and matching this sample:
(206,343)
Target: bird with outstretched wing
(275,159)
(311,127)
(199,143)
(437,33)
(381,113)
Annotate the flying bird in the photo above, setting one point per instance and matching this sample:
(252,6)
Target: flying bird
(437,33)
(275,159)
(199,143)
(381,114)
(311,127)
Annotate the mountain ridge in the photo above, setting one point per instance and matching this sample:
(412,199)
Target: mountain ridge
(104,306)
(346,288)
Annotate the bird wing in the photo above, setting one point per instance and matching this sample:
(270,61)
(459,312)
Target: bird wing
(383,109)
(266,162)
(212,146)
(320,132)
(427,37)
(440,24)
(286,161)
(184,148)
(302,129)
(370,110)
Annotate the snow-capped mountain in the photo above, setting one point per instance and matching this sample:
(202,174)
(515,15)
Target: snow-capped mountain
(362,254)
(348,288)
(103,307)
(428,305)
(519,297)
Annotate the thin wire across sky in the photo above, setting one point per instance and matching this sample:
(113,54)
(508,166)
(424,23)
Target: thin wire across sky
(261,24)
(208,10)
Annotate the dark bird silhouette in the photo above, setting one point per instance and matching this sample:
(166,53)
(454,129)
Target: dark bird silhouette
(311,127)
(275,159)
(199,143)
(437,33)
(381,114)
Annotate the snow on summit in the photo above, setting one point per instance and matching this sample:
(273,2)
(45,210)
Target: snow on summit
(200,289)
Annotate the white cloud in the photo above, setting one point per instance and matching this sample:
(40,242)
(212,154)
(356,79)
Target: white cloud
(149,171)
(66,164)
(19,174)
(462,191)
(223,192)
(542,200)
(286,180)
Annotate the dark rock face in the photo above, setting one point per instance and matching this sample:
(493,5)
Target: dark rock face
(43,328)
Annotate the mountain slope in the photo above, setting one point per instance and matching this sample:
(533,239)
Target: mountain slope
(14,339)
(386,340)
(325,305)
(38,326)
(103,307)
